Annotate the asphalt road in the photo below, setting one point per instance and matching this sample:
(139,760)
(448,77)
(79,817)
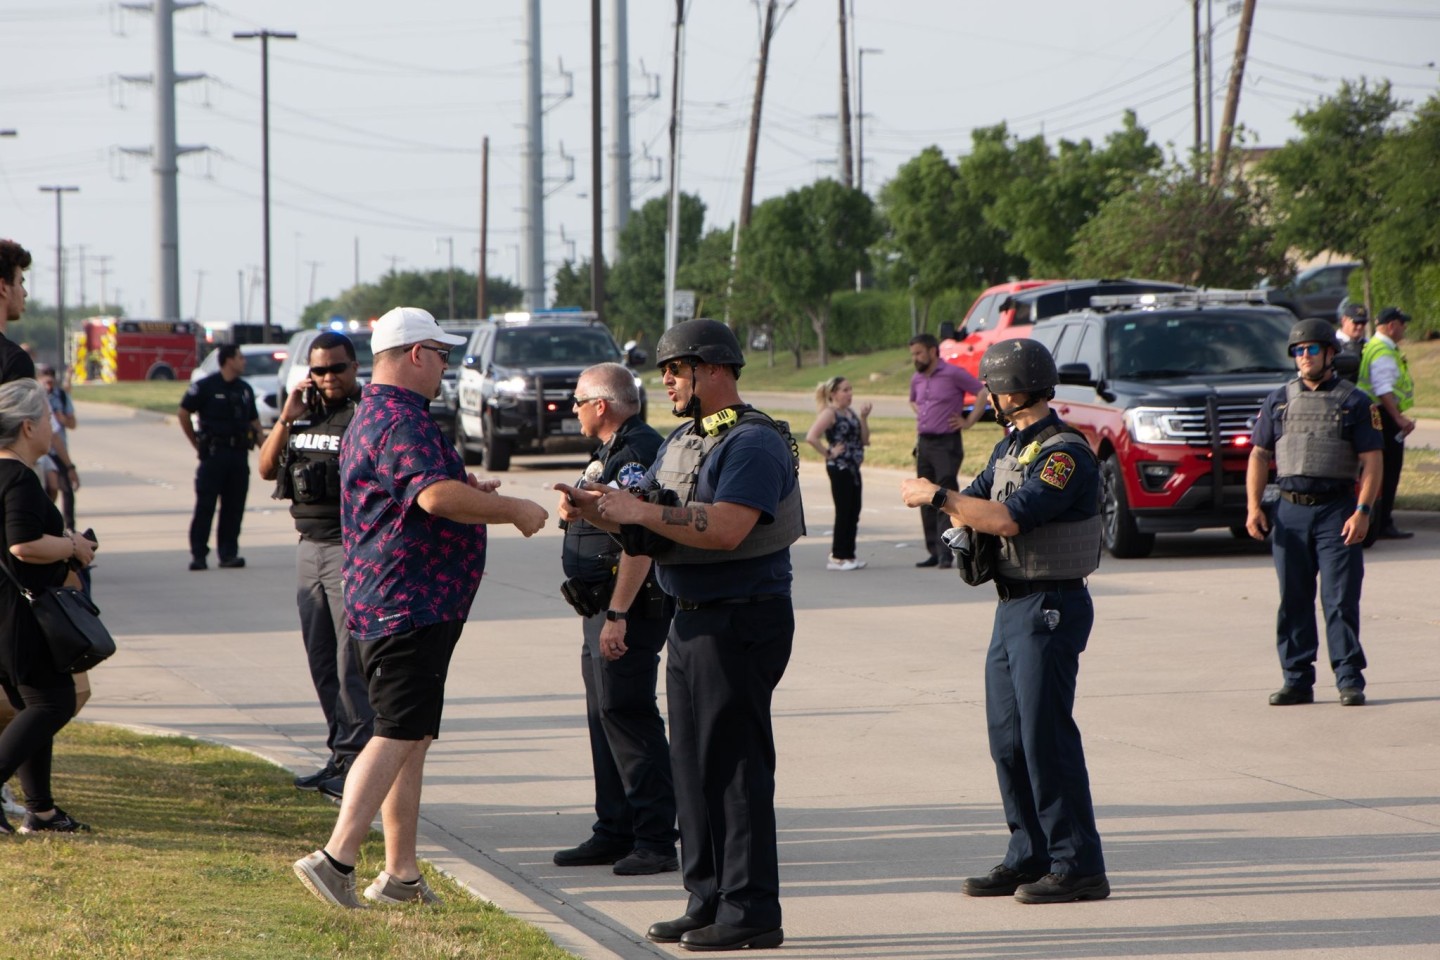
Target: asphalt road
(1231,828)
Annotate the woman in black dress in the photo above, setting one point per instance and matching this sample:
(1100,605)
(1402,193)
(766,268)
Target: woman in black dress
(37,550)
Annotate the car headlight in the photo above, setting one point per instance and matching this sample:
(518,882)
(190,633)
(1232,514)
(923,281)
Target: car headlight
(511,386)
(1151,425)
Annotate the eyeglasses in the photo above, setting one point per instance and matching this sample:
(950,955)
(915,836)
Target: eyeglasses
(442,351)
(336,368)
(579,401)
(675,367)
(1306,350)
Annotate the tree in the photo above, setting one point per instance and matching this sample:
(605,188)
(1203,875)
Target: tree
(807,244)
(1405,230)
(1174,226)
(708,272)
(572,285)
(429,290)
(636,286)
(1325,193)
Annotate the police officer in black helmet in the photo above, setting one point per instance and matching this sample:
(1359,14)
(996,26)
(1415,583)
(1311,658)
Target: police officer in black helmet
(719,523)
(1040,495)
(302,453)
(1322,432)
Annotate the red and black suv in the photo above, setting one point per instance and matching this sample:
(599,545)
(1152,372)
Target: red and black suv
(1166,388)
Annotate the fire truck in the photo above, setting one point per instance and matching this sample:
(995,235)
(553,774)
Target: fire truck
(117,348)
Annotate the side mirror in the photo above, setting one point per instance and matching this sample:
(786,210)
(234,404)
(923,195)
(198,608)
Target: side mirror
(1076,374)
(635,357)
(947,330)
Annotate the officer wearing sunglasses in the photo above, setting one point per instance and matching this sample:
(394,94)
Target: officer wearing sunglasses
(302,454)
(1322,434)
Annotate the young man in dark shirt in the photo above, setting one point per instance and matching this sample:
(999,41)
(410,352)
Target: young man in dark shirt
(15,363)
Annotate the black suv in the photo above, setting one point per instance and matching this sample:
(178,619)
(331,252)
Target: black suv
(1166,388)
(1315,292)
(517,384)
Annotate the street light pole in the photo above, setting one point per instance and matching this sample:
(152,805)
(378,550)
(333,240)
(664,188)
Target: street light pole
(264,36)
(59,274)
(860,116)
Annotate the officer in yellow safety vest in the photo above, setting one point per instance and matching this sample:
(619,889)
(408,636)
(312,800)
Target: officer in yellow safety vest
(1386,378)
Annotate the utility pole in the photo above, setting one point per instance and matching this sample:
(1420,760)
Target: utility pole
(672,235)
(1210,77)
(597,185)
(450,275)
(846,171)
(80,248)
(104,271)
(265,36)
(747,191)
(314,266)
(357,260)
(199,286)
(860,116)
(59,272)
(1232,96)
(619,128)
(482,306)
(532,175)
(1195,58)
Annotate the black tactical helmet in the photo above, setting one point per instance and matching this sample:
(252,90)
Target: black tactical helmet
(1314,330)
(1018,366)
(709,340)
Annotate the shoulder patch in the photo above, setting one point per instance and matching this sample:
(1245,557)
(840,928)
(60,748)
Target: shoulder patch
(1058,469)
(1375,416)
(631,476)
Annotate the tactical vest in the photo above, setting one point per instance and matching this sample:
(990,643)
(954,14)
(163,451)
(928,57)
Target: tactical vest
(1404,389)
(310,469)
(679,472)
(1313,444)
(1051,551)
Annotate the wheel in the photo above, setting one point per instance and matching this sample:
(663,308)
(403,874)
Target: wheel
(1123,538)
(160,372)
(496,456)
(462,443)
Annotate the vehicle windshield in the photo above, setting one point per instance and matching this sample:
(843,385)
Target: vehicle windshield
(1205,342)
(263,363)
(541,347)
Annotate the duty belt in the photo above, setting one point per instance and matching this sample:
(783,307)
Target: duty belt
(1310,499)
(683,604)
(1014,589)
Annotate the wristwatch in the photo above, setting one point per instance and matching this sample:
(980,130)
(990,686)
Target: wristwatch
(617,615)
(1363,508)
(941,496)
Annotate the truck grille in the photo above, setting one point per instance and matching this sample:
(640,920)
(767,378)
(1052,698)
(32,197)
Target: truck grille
(1235,419)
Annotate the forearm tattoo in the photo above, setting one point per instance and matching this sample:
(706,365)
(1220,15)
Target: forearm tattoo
(685,517)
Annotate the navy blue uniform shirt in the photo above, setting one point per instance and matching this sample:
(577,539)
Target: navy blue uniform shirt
(626,458)
(226,409)
(1360,424)
(1062,484)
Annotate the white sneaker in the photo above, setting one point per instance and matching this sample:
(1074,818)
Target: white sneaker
(7,801)
(833,564)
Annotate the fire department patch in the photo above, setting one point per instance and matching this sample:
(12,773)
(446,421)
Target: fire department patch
(1058,470)
(1375,416)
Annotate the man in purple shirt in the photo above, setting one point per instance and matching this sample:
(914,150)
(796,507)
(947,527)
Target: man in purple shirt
(412,528)
(937,395)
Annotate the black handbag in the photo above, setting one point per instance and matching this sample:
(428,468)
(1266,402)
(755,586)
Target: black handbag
(70,623)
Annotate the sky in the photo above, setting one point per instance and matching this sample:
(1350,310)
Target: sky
(377,111)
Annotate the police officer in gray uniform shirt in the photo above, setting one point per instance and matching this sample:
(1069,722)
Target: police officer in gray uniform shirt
(302,454)
(1040,495)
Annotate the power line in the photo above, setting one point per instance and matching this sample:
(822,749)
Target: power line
(1354,11)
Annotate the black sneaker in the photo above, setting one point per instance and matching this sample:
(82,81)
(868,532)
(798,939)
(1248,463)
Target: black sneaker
(199,564)
(233,563)
(62,822)
(313,781)
(1064,888)
(592,853)
(334,788)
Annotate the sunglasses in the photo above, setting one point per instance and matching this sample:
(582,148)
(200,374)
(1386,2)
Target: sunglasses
(442,351)
(335,368)
(579,401)
(1306,350)
(675,367)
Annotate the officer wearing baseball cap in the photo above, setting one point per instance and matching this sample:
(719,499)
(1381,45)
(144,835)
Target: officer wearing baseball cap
(1321,431)
(1385,376)
(1040,494)
(1350,338)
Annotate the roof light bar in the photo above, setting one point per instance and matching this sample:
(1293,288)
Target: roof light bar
(1185,298)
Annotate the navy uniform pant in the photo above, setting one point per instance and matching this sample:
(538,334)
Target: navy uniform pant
(634,791)
(1306,542)
(721,670)
(1030,674)
(332,653)
(222,476)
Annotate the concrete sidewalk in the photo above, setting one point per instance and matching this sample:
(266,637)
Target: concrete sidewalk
(1231,828)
